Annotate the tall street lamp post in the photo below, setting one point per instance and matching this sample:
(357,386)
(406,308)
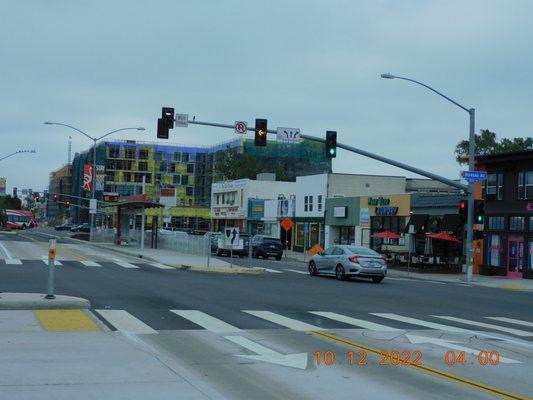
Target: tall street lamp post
(471,154)
(94,139)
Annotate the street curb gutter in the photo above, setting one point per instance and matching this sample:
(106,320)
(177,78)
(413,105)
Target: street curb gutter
(36,301)
(221,270)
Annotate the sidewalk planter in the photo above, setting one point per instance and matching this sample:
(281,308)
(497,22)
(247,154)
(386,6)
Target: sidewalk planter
(485,269)
(490,270)
(499,271)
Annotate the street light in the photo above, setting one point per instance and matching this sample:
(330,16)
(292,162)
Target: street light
(18,152)
(94,139)
(471,154)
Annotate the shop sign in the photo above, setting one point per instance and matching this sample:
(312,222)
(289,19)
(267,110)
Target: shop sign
(386,210)
(364,216)
(381,201)
(339,212)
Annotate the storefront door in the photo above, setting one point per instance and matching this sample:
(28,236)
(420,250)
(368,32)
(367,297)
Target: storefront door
(515,261)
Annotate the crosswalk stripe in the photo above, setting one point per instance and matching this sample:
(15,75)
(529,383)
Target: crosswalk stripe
(512,321)
(13,261)
(273,270)
(125,322)
(517,332)
(124,264)
(298,272)
(284,321)
(206,321)
(427,324)
(355,321)
(56,262)
(89,263)
(161,266)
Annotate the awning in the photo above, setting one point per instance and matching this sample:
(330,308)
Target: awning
(443,236)
(418,220)
(386,235)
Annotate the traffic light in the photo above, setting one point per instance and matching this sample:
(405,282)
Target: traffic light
(260,132)
(479,211)
(56,197)
(331,144)
(67,202)
(463,211)
(167,115)
(162,130)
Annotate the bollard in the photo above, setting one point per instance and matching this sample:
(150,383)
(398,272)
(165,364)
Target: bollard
(51,263)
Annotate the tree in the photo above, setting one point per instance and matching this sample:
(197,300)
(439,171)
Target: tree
(486,143)
(10,203)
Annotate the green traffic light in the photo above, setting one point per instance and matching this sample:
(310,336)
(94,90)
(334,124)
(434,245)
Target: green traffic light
(331,151)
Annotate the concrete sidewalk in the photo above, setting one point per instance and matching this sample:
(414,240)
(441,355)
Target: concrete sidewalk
(180,260)
(500,282)
(43,358)
(36,301)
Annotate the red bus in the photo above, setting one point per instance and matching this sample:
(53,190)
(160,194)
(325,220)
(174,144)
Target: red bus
(20,219)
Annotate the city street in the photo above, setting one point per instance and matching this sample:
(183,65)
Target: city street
(259,336)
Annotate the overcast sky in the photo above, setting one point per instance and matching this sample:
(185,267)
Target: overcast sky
(314,65)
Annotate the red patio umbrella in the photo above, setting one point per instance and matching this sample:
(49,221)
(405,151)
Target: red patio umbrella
(386,235)
(443,236)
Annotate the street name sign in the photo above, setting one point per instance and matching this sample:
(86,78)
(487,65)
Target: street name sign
(182,120)
(288,135)
(92,206)
(241,127)
(474,176)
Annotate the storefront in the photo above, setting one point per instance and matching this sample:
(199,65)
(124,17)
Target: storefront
(342,219)
(508,223)
(308,233)
(384,213)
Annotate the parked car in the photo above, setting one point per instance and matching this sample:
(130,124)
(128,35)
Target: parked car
(213,238)
(264,246)
(63,227)
(345,261)
(81,228)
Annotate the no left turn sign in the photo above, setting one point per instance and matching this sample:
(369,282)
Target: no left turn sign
(240,127)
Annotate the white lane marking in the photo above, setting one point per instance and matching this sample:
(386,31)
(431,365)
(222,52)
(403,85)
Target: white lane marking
(427,324)
(89,263)
(297,360)
(5,250)
(160,266)
(355,321)
(13,261)
(124,264)
(275,271)
(284,321)
(517,332)
(512,321)
(206,321)
(125,322)
(56,262)
(298,272)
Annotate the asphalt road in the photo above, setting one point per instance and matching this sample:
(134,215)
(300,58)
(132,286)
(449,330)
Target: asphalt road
(287,311)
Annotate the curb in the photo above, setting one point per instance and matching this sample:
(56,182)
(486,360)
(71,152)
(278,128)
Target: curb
(36,301)
(221,270)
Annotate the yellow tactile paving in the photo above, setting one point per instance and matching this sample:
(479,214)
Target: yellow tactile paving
(65,321)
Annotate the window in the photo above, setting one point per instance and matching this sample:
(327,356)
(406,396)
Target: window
(189,191)
(190,168)
(114,152)
(172,168)
(218,199)
(158,155)
(308,203)
(319,203)
(110,164)
(127,176)
(525,185)
(163,167)
(516,223)
(143,154)
(110,176)
(143,166)
(223,199)
(129,153)
(184,157)
(176,179)
(494,250)
(177,156)
(158,177)
(185,179)
(494,186)
(531,223)
(496,223)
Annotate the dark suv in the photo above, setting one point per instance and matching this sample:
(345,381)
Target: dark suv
(264,246)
